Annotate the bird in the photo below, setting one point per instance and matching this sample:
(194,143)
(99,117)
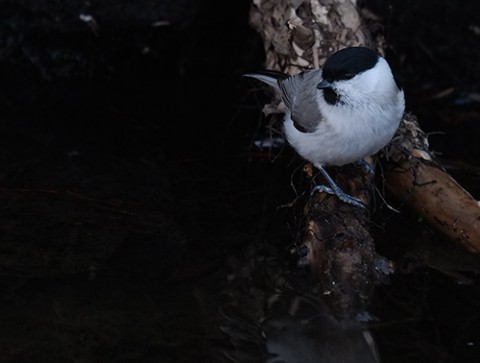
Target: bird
(340,113)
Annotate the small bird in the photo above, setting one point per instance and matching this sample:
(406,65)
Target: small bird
(337,115)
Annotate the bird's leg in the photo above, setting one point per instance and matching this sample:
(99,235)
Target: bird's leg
(334,189)
(366,166)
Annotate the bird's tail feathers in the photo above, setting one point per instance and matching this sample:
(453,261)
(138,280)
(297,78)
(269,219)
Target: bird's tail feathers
(269,77)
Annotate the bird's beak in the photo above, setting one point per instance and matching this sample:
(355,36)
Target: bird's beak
(324,84)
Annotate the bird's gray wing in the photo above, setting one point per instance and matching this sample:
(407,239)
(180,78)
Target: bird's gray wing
(299,92)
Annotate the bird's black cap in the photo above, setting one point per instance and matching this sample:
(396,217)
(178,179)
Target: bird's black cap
(349,62)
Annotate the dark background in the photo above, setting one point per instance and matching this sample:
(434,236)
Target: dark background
(131,184)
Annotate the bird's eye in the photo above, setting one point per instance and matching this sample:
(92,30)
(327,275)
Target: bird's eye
(348,75)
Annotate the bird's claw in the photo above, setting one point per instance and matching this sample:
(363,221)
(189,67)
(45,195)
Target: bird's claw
(344,197)
(366,166)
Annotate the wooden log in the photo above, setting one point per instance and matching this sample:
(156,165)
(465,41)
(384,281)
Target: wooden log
(415,176)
